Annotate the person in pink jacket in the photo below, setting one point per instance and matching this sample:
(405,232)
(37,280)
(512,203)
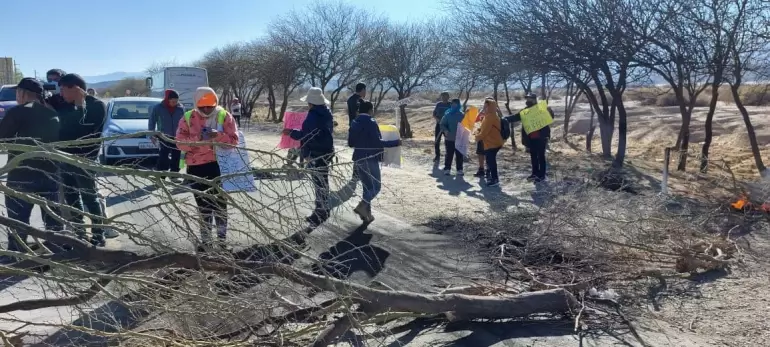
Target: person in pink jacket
(212,125)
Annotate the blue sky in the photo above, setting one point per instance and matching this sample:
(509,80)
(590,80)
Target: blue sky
(95,37)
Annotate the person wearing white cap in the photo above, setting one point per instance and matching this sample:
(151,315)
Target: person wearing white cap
(317,146)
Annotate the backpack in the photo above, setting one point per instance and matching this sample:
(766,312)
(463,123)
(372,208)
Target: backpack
(505,129)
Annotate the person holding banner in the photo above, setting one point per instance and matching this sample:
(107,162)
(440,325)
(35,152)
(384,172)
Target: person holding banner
(366,139)
(203,125)
(317,147)
(536,130)
(449,123)
(438,113)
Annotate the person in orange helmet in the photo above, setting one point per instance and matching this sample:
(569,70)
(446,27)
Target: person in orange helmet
(211,124)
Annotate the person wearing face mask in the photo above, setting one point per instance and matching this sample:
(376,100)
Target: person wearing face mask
(212,124)
(31,118)
(82,118)
(56,100)
(536,141)
(449,123)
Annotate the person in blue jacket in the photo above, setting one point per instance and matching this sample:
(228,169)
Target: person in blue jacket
(366,139)
(317,147)
(452,117)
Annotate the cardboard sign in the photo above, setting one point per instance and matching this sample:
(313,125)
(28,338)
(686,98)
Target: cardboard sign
(536,117)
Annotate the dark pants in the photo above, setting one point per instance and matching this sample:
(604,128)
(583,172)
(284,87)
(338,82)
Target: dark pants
(537,154)
(437,135)
(491,160)
(21,210)
(237,120)
(319,168)
(212,210)
(80,193)
(164,163)
(452,152)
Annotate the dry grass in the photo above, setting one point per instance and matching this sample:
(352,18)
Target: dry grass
(752,95)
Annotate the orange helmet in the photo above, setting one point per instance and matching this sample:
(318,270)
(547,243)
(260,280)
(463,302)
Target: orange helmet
(207,100)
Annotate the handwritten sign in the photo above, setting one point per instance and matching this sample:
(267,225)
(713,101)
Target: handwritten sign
(536,117)
(234,165)
(462,139)
(291,120)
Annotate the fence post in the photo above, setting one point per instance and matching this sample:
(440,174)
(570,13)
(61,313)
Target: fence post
(666,160)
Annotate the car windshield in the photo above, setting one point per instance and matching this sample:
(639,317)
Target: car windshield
(8,94)
(132,109)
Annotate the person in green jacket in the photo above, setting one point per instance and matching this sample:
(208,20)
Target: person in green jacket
(82,118)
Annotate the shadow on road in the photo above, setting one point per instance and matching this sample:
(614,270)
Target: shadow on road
(453,184)
(353,254)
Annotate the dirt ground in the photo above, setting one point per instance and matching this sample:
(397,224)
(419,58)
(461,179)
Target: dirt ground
(719,309)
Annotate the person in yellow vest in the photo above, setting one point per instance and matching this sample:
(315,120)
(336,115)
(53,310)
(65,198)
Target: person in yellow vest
(211,124)
(535,141)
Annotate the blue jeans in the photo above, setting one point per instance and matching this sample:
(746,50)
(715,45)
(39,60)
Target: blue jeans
(491,160)
(21,210)
(368,171)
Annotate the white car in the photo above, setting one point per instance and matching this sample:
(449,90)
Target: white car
(127,116)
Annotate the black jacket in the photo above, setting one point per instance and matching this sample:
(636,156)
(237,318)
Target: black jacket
(79,123)
(37,121)
(544,133)
(353,102)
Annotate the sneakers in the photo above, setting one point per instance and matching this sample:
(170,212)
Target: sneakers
(110,233)
(493,183)
(447,172)
(479,173)
(460,173)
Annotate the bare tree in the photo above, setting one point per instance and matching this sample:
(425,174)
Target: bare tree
(158,66)
(279,71)
(231,69)
(678,55)
(409,56)
(748,54)
(326,40)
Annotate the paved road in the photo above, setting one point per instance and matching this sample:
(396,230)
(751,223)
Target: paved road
(391,250)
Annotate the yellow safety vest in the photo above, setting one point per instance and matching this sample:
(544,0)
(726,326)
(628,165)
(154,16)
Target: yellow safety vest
(220,121)
(536,117)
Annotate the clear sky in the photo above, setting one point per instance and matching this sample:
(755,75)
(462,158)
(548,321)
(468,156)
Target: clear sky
(95,37)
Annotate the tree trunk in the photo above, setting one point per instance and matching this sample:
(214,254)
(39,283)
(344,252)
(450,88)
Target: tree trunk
(507,100)
(683,143)
(591,129)
(404,128)
(284,102)
(271,103)
(750,130)
(495,88)
(620,156)
(543,78)
(704,153)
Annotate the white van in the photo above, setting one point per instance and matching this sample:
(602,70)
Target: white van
(184,80)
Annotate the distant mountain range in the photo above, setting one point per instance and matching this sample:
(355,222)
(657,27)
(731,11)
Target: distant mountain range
(110,79)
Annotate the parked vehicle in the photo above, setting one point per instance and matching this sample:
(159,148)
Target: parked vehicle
(184,80)
(7,98)
(126,116)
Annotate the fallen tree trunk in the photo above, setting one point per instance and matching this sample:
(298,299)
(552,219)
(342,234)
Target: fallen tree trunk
(372,300)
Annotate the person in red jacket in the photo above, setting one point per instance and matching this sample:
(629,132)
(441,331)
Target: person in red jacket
(211,124)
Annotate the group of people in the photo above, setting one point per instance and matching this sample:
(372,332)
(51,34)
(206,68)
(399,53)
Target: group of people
(489,138)
(73,113)
(316,137)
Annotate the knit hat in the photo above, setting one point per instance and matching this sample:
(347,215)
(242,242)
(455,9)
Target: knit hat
(206,97)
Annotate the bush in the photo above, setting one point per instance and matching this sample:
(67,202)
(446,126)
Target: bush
(752,95)
(669,99)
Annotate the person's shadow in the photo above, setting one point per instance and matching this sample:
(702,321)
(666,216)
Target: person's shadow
(453,184)
(353,254)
